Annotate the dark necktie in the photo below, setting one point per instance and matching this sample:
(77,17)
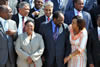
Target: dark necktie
(55,33)
(23,24)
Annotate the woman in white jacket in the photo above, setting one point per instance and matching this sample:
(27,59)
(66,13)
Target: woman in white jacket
(29,47)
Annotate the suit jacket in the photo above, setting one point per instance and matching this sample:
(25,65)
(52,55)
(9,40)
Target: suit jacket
(66,5)
(33,48)
(6,45)
(54,49)
(94,12)
(90,4)
(93,47)
(39,21)
(86,16)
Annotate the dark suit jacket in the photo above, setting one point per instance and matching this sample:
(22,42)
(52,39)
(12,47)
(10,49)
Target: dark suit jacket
(39,21)
(90,4)
(86,16)
(6,48)
(30,14)
(94,12)
(93,47)
(55,50)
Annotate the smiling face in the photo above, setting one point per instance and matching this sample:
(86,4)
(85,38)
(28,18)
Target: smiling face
(38,4)
(79,5)
(48,10)
(29,27)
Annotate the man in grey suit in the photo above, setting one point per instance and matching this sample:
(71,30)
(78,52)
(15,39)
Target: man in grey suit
(55,34)
(78,10)
(7,29)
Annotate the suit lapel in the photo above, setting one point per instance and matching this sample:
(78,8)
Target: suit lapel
(96,34)
(1,28)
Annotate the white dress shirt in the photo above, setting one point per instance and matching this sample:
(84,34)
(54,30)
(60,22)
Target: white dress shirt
(20,26)
(78,12)
(98,32)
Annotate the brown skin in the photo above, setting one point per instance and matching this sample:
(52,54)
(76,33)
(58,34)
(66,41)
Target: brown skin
(76,31)
(59,21)
(48,10)
(79,5)
(98,21)
(29,27)
(24,11)
(38,4)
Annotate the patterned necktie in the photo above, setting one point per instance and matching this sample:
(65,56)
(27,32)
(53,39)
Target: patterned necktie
(23,24)
(55,33)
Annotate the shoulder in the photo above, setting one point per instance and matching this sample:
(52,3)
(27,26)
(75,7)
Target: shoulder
(65,25)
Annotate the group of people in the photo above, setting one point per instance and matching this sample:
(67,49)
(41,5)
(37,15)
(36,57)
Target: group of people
(53,33)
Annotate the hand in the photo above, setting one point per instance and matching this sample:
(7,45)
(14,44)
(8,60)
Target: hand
(91,65)
(66,59)
(10,32)
(36,13)
(29,60)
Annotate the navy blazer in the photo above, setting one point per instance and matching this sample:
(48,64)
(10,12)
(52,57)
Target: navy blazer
(86,16)
(55,50)
(93,48)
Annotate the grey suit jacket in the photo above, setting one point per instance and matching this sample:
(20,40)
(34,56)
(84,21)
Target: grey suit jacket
(54,49)
(6,45)
(33,48)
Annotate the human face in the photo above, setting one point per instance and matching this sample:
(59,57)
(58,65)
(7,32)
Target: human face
(98,21)
(38,4)
(8,13)
(48,10)
(79,5)
(29,27)
(59,21)
(74,26)
(25,10)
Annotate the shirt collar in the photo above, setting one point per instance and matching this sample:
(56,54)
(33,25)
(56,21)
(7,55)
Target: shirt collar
(76,11)
(98,28)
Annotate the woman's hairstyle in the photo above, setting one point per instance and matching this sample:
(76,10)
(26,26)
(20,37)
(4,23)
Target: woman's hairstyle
(29,21)
(80,22)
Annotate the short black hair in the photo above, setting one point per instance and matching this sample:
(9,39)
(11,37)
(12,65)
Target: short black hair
(3,2)
(80,22)
(57,14)
(29,21)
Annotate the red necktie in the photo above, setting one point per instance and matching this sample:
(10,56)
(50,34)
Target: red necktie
(48,19)
(23,24)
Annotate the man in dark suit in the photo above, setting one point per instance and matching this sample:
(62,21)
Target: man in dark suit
(21,16)
(35,11)
(94,12)
(78,10)
(48,10)
(55,34)
(7,53)
(93,48)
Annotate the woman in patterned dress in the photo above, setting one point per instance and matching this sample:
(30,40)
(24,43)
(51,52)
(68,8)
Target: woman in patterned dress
(78,40)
